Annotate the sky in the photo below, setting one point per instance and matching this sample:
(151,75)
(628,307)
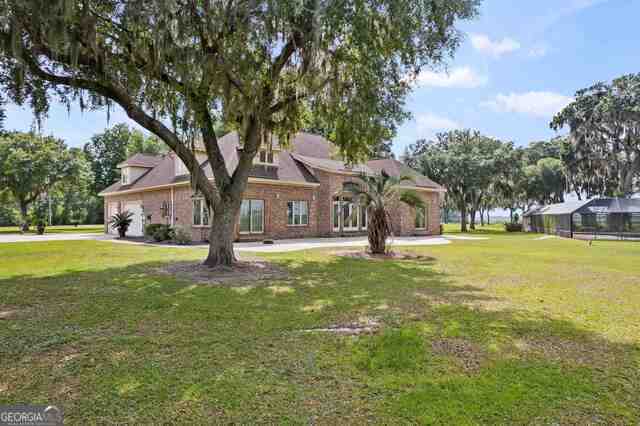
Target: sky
(520,62)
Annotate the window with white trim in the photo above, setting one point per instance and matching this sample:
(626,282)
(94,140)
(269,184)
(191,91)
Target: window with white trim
(297,213)
(421,217)
(200,212)
(124,175)
(252,217)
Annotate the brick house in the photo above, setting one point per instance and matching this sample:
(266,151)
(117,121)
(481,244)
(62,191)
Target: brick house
(292,193)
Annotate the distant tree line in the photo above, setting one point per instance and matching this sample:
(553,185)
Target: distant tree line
(600,156)
(44,180)
(483,173)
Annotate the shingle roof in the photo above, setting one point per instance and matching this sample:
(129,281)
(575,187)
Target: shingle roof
(142,160)
(396,168)
(306,152)
(332,165)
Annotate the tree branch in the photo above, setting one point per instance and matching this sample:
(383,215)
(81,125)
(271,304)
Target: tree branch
(283,103)
(136,113)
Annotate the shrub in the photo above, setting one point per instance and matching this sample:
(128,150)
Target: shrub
(40,228)
(163,233)
(182,236)
(150,229)
(121,222)
(513,227)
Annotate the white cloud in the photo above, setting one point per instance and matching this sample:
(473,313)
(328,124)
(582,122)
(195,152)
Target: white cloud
(496,48)
(460,77)
(428,123)
(539,104)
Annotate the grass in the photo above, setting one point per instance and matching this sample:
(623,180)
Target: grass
(454,228)
(57,229)
(507,330)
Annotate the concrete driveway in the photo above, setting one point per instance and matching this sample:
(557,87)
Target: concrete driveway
(280,246)
(31,238)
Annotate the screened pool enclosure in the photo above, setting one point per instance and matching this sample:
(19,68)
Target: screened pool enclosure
(602,218)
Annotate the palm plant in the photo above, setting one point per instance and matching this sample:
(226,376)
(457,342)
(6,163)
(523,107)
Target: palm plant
(121,222)
(378,194)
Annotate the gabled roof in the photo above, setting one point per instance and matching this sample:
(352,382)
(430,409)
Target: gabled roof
(611,205)
(295,165)
(593,206)
(142,160)
(568,207)
(395,168)
(329,165)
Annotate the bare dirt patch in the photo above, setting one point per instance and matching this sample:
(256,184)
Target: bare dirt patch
(468,355)
(361,254)
(364,325)
(242,272)
(12,312)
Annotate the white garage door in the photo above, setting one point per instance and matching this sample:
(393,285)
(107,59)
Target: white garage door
(112,209)
(135,229)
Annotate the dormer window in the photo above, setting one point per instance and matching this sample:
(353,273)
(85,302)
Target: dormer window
(266,156)
(124,176)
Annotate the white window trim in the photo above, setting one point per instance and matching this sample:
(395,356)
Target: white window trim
(251,216)
(349,205)
(425,209)
(203,205)
(124,176)
(299,215)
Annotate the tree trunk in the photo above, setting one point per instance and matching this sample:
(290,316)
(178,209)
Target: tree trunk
(226,210)
(25,220)
(221,236)
(482,217)
(488,218)
(472,221)
(463,218)
(377,232)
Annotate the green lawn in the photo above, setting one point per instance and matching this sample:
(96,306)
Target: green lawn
(509,330)
(58,229)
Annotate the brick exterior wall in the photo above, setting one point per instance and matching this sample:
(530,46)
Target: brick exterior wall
(406,223)
(275,197)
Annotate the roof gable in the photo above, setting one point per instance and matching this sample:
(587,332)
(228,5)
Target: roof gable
(141,160)
(395,168)
(295,165)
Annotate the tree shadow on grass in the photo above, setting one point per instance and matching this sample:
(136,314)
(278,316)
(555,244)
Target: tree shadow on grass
(100,341)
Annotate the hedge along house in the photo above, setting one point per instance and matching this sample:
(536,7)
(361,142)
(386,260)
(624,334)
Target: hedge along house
(297,192)
(604,218)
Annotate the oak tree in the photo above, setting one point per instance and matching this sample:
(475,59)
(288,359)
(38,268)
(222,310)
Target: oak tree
(604,126)
(176,67)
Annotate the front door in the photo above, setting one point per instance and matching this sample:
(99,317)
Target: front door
(136,228)
(112,209)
